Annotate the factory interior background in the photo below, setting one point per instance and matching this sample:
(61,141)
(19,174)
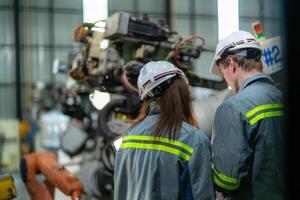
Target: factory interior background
(69,69)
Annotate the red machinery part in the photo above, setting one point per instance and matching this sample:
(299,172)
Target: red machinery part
(55,176)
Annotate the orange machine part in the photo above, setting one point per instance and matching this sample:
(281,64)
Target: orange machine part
(55,174)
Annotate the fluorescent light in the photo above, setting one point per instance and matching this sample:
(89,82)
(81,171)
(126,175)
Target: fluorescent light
(228,17)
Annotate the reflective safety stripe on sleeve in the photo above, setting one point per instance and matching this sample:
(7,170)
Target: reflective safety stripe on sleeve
(264,111)
(158,143)
(265,115)
(225,182)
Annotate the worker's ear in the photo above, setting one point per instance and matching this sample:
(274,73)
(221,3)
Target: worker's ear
(232,65)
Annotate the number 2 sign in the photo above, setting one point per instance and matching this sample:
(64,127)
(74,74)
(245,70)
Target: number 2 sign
(271,55)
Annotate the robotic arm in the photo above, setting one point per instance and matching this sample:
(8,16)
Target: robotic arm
(55,175)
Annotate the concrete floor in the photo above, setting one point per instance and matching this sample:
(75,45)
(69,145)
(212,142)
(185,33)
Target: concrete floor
(22,193)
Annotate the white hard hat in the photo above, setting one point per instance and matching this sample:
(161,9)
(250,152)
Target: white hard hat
(153,74)
(235,41)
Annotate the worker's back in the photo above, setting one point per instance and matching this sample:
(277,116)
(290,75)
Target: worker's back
(152,168)
(259,105)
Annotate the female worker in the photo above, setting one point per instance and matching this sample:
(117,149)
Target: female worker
(163,155)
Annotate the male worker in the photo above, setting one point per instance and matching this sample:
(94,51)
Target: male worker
(248,138)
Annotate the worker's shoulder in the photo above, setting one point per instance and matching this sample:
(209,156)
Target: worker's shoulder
(259,88)
(258,94)
(193,135)
(143,127)
(229,104)
(252,96)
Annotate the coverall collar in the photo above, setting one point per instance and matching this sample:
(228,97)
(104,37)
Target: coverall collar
(154,111)
(254,78)
(154,108)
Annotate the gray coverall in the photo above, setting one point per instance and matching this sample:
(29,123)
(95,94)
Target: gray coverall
(156,168)
(248,142)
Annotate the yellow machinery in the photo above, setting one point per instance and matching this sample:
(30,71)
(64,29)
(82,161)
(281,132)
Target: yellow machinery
(7,187)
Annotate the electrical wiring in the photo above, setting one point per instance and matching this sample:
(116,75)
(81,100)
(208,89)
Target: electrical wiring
(124,80)
(180,46)
(132,89)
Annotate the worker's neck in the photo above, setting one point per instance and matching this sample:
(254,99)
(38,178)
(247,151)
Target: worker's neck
(245,75)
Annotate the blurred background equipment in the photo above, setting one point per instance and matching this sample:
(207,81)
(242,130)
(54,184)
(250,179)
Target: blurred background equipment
(131,43)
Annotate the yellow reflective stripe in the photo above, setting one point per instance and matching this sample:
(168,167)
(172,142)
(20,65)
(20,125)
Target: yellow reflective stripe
(263,107)
(265,115)
(225,178)
(158,147)
(224,181)
(225,186)
(160,139)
